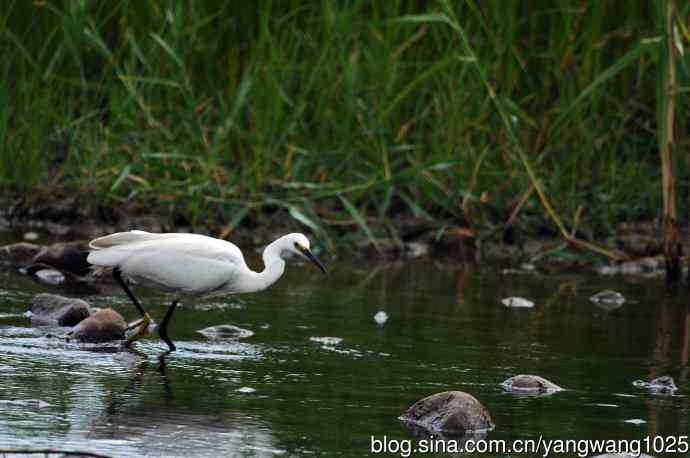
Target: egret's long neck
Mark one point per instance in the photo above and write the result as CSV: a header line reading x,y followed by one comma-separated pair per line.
x,y
274,266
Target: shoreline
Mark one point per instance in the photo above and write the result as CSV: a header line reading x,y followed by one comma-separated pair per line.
x,y
409,237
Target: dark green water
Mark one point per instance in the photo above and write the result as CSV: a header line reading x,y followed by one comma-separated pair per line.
x,y
447,330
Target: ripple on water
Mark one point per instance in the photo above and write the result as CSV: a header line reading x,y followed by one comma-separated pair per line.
x,y
327,340
228,350
19,331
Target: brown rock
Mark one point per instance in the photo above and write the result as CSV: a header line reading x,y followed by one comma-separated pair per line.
x,y
530,384
60,310
103,326
449,412
66,256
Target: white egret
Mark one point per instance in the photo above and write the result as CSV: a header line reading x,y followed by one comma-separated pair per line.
x,y
190,265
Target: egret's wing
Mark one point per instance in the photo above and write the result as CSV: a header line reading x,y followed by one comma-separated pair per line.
x,y
183,272
114,249
188,263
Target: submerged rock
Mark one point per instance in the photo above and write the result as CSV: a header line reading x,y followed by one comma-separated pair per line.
x,y
60,310
449,413
225,331
608,298
105,325
19,254
530,384
517,302
660,385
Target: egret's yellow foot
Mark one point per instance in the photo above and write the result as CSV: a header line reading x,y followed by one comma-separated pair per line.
x,y
142,328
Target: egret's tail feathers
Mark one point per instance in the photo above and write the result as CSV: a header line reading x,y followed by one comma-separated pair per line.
x,y
121,238
113,249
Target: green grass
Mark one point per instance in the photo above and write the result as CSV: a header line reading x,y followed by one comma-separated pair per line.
x,y
339,112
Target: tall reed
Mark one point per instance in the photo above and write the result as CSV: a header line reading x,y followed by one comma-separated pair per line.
x,y
337,112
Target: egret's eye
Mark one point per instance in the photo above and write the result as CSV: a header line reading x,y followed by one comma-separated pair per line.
x,y
299,247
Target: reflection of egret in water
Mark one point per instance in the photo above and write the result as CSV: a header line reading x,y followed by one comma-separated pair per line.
x,y
155,420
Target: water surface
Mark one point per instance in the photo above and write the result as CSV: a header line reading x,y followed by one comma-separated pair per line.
x,y
288,391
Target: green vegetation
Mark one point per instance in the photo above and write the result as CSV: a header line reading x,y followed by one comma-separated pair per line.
x,y
341,113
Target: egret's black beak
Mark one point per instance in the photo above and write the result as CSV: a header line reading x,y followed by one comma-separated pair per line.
x,y
313,259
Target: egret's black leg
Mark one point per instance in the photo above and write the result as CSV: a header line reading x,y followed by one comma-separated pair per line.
x,y
163,328
118,278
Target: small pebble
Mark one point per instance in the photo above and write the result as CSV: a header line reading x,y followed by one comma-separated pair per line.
x,y
31,236
50,276
517,302
381,317
246,390
608,297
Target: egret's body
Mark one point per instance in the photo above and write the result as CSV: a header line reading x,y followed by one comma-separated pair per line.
x,y
191,264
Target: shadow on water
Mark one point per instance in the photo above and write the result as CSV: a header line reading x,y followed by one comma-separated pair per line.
x,y
320,376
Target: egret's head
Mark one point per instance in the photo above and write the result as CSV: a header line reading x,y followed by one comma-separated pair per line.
x,y
299,244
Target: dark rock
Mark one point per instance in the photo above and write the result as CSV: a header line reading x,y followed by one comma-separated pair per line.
x,y
457,243
225,331
449,413
105,325
529,384
67,256
18,254
660,385
54,309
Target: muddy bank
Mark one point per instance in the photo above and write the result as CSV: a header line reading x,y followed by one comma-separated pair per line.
x,y
638,244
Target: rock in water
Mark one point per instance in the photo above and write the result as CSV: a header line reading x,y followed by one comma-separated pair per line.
x,y
19,254
49,276
67,256
449,413
55,309
608,297
225,331
660,385
529,384
517,302
103,326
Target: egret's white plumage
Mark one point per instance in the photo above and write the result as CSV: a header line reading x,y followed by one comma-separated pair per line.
x,y
192,264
